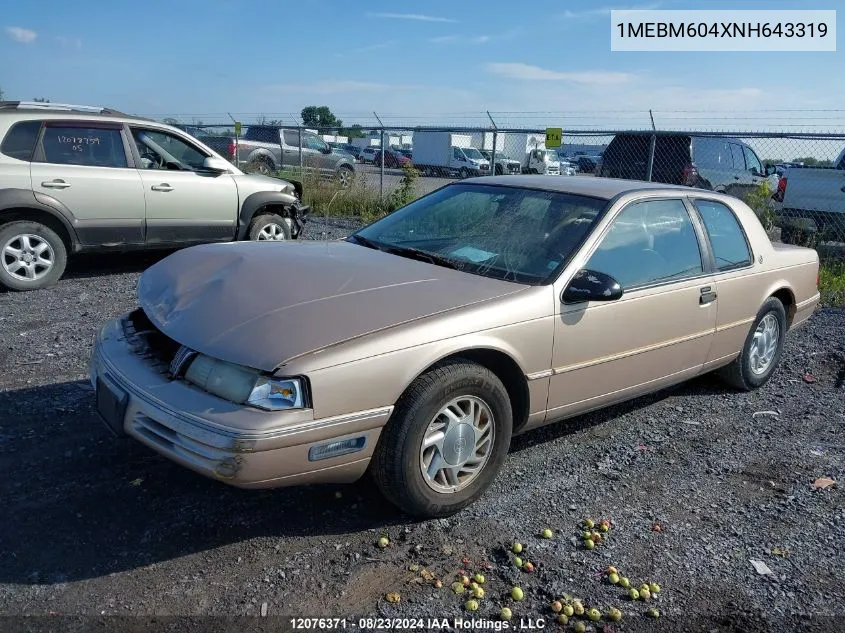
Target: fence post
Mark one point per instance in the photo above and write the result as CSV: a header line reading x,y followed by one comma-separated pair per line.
x,y
493,152
652,145
300,152
381,172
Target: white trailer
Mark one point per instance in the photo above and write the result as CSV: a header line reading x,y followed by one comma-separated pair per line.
x,y
367,141
335,138
530,149
447,153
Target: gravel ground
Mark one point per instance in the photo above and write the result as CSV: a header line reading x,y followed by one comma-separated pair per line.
x,y
93,526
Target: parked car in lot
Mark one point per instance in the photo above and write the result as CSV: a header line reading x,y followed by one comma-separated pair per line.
x,y
392,158
267,149
810,202
586,164
368,154
718,163
76,178
421,344
567,168
505,165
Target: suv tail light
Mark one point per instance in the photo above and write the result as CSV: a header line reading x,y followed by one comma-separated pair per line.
x,y
232,149
781,190
689,175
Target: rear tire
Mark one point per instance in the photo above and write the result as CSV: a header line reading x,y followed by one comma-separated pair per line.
x,y
747,372
32,256
262,166
269,227
400,459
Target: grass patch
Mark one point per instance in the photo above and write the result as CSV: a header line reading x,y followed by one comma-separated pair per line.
x,y
832,283
360,201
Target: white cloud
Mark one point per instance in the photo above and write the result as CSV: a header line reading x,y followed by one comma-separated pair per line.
x,y
526,72
600,11
443,39
419,17
20,34
70,42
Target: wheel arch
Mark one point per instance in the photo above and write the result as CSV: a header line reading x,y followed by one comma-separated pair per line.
x,y
20,204
260,202
786,296
506,369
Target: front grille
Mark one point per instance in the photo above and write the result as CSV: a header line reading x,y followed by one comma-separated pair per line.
x,y
147,341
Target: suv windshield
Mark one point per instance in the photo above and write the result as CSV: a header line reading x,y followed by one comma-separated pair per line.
x,y
510,233
471,152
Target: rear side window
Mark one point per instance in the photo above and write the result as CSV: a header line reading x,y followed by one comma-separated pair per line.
x,y
20,140
713,152
730,247
738,157
89,146
291,138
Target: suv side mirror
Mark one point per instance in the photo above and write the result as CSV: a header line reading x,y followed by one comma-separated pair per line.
x,y
326,149
215,165
771,169
591,285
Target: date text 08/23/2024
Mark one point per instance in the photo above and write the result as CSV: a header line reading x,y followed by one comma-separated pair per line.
x,y
414,624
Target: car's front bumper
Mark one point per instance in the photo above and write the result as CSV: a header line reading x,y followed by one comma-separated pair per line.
x,y
239,445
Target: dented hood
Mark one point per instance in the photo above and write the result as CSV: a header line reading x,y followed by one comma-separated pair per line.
x,y
261,304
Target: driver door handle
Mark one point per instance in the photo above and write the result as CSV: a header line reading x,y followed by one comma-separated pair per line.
x,y
162,187
58,183
707,296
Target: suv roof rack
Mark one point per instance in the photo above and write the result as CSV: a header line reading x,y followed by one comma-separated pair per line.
x,y
64,107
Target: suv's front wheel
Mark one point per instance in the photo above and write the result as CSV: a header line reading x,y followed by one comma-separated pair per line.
x,y
32,256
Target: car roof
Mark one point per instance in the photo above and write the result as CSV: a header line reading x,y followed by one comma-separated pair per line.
x,y
604,188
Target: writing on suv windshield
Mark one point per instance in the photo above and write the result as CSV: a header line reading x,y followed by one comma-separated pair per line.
x,y
509,233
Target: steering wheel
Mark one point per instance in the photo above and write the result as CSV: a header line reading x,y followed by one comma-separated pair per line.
x,y
153,158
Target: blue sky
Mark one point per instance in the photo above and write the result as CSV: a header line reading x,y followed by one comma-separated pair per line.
x,y
430,62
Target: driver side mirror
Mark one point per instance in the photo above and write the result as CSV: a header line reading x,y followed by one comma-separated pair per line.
x,y
771,169
326,149
216,165
591,285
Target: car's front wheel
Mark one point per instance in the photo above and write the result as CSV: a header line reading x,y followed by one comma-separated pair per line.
x,y
446,440
269,227
344,176
32,256
762,350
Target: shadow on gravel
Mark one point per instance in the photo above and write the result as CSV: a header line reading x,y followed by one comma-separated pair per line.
x,y
79,503
87,265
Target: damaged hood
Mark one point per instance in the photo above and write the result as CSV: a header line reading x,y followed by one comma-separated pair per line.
x,y
261,304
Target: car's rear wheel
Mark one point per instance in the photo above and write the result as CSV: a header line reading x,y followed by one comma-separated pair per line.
x,y
32,256
269,227
463,173
446,440
262,165
762,350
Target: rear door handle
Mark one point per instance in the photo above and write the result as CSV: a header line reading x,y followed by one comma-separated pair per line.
x,y
162,187
707,296
58,183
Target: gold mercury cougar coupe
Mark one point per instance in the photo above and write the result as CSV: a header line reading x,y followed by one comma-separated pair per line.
x,y
418,346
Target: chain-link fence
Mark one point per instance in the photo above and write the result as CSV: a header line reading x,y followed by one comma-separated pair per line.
x,y
795,181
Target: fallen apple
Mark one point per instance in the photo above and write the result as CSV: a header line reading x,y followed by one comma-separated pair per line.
x,y
438,583
465,581
458,588
562,619
517,561
471,605
633,594
478,592
586,535
589,523
568,610
547,533
383,542
624,582
479,578
516,548
589,543
392,597
614,615
505,613
517,594
557,607
528,566
594,614
613,578
611,570
653,613
579,627
654,587
645,594
577,607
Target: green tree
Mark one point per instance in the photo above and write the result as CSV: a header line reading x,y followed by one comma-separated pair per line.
x,y
319,117
809,161
354,131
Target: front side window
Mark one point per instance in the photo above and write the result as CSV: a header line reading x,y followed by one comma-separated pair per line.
x,y
20,140
315,143
291,138
751,161
509,233
456,153
161,150
88,146
727,238
649,242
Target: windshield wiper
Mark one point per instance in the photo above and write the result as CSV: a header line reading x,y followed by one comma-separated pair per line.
x,y
363,241
424,256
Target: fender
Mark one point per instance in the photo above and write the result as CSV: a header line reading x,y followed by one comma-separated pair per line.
x,y
22,199
260,199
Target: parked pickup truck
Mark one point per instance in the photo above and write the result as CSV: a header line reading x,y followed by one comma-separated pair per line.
x,y
266,150
811,201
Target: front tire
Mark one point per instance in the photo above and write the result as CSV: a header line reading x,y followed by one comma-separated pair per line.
x,y
344,176
269,227
762,350
463,173
32,256
446,440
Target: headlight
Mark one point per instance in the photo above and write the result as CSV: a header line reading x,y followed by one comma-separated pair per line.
x,y
245,386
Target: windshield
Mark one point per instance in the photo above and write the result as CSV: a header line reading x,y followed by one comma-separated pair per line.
x,y
551,156
509,233
471,152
